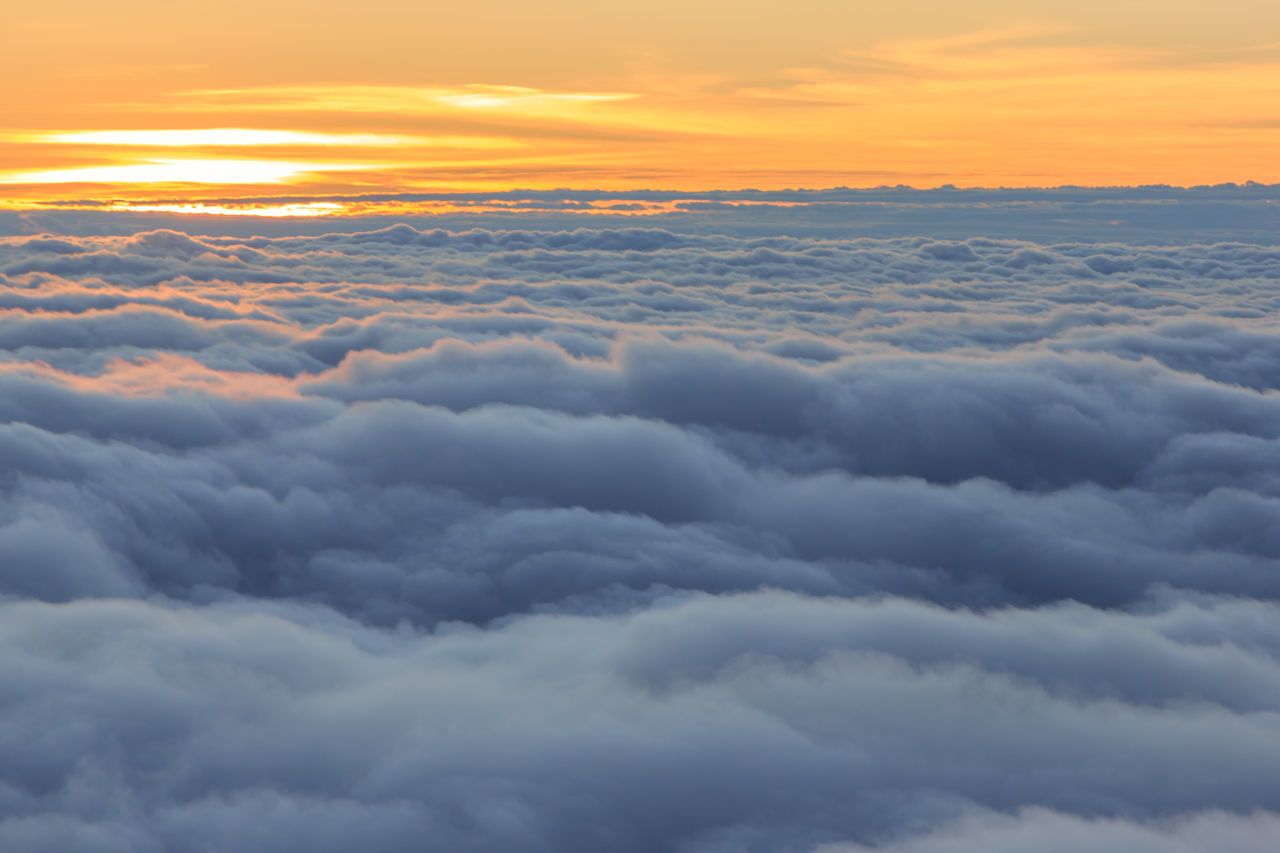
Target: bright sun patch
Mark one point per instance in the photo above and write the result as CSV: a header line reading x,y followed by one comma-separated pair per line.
x,y
179,172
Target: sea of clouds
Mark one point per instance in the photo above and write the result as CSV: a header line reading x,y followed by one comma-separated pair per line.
x,y
638,539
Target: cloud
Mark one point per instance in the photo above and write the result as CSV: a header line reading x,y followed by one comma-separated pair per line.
x,y
638,539
762,720
1042,829
1148,215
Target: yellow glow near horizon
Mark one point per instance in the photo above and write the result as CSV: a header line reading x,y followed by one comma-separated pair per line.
x,y
662,94
309,208
204,171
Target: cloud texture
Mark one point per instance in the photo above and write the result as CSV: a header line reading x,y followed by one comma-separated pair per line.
x,y
638,539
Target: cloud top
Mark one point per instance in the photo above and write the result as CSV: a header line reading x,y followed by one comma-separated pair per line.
x,y
638,538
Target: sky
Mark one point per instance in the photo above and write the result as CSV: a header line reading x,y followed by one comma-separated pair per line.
x,y
176,103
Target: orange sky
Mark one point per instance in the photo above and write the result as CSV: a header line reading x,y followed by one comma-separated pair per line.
x,y
144,100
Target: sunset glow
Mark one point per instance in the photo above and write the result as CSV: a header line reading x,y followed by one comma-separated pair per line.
x,y
216,137
727,96
193,171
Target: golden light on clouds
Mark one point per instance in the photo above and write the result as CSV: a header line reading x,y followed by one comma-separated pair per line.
x,y
308,208
667,96
523,98
412,99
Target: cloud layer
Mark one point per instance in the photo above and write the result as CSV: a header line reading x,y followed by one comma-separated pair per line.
x,y
1161,215
638,539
